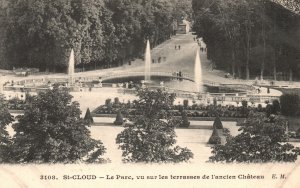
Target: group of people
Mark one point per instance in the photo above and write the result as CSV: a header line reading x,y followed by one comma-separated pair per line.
x,y
258,90
202,49
177,47
177,74
159,59
198,41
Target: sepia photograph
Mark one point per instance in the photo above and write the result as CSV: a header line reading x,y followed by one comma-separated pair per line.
x,y
149,93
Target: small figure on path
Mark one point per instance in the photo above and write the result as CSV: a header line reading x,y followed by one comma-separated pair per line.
x,y
259,90
178,47
174,75
175,47
180,74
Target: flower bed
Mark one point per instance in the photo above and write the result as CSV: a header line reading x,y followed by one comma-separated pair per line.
x,y
192,111
16,104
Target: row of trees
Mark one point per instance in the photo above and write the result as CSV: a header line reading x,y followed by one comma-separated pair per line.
x,y
103,33
250,37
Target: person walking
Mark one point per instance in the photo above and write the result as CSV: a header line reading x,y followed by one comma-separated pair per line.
x,y
178,47
175,47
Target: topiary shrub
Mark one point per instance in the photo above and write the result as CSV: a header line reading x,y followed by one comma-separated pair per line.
x,y
259,108
180,108
244,111
194,114
185,103
217,123
289,104
117,100
88,116
276,106
215,102
244,103
119,119
184,121
107,102
129,105
214,138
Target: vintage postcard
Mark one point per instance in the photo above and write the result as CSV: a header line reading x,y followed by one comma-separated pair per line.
x,y
149,93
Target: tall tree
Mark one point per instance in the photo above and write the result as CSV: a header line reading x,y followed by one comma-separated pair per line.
x,y
262,139
151,139
5,140
52,131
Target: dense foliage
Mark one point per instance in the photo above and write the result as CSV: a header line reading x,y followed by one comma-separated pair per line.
x,y
290,104
151,137
5,140
263,139
256,38
51,131
103,33
3,23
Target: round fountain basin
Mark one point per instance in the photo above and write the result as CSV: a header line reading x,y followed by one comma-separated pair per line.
x,y
170,83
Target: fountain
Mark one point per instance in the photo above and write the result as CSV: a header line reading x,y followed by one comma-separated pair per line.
x,y
147,63
198,73
71,79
